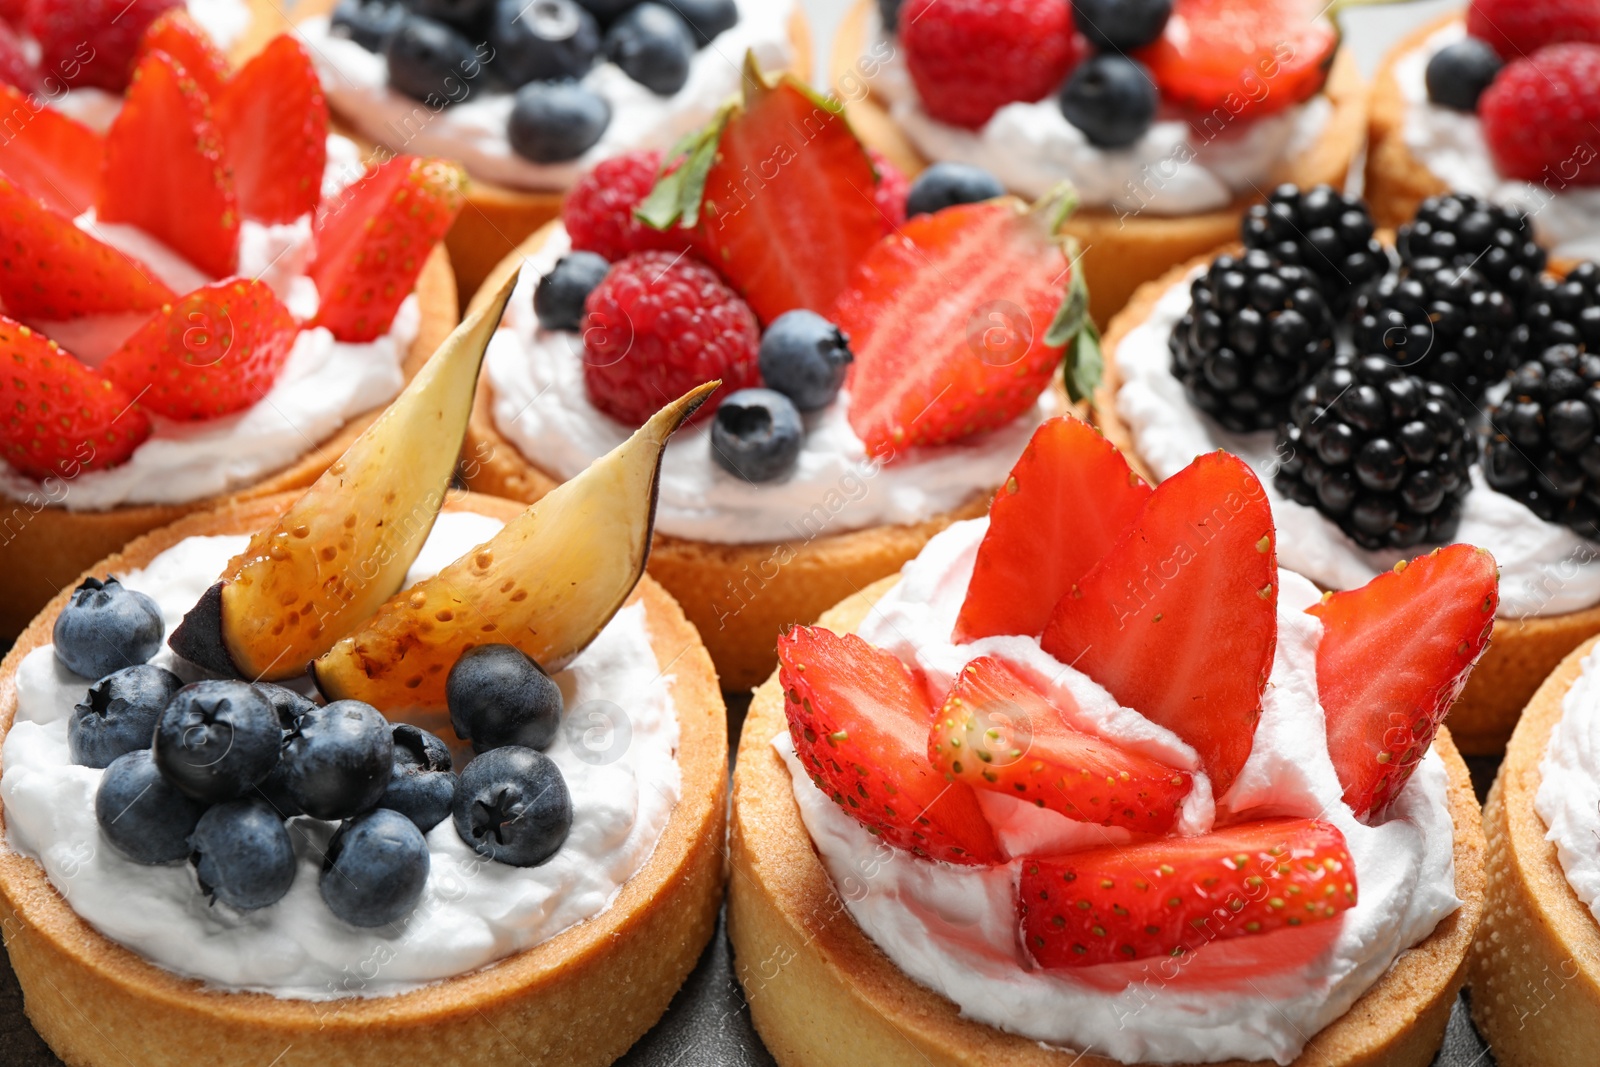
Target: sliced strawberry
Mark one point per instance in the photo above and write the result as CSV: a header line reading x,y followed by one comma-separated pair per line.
x,y
50,270
274,123
948,319
1242,60
52,157
371,242
16,68
58,418
178,35
996,732
860,721
1070,497
1394,656
165,171
210,353
92,42
1172,897
1179,619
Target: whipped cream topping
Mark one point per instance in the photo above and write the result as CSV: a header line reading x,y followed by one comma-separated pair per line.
x,y
620,768
1545,568
474,132
225,20
542,407
1177,167
1568,799
1450,143
954,928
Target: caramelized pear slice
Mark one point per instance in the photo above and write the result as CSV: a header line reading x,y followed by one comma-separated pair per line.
x,y
344,548
547,583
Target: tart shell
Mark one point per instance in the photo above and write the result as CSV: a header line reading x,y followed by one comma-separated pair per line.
x,y
822,994
1120,253
43,547
579,999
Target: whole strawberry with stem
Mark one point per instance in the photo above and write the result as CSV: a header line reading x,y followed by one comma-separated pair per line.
x,y
1541,114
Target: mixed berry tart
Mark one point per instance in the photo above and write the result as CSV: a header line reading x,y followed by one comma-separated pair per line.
x,y
1391,399
1169,116
880,376
498,796
1094,781
206,302
530,94
1498,102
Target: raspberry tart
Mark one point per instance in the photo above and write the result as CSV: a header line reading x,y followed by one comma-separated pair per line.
x,y
1498,102
530,96
1129,795
833,453
215,290
448,850
1169,117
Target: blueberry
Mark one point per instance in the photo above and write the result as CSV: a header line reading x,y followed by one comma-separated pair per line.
x,y
607,11
1111,99
707,18
432,62
242,854
1121,25
947,184
552,122
422,787
119,714
274,789
106,626
498,696
465,15
1459,73
375,869
756,435
558,300
338,759
805,357
513,806
216,739
653,46
286,702
545,40
889,13
141,814
369,23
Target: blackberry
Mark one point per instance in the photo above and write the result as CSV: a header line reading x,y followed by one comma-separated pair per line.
x,y
1544,438
1381,452
1257,329
1464,231
1443,322
1563,311
1327,233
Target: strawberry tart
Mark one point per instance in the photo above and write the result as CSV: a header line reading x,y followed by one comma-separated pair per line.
x,y
528,96
1499,102
205,302
1105,785
878,381
1170,116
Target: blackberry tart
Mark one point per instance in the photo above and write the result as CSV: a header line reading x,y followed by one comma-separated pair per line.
x,y
1544,438
1328,233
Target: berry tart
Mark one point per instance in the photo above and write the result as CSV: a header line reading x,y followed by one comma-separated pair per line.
x,y
1500,103
1169,116
1096,785
530,94
206,302
881,375
1391,399
448,852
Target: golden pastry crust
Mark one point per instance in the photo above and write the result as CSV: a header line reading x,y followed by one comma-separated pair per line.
x,y
43,547
1122,252
823,995
578,1000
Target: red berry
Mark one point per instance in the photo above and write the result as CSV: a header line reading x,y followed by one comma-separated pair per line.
x,y
92,42
1518,28
16,68
659,325
969,58
14,12
58,417
891,192
1393,657
52,157
180,36
1541,113
598,212
274,124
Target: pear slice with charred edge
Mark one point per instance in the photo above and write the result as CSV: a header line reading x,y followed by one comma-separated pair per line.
x,y
344,548
547,583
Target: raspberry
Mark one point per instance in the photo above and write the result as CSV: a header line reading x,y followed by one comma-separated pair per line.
x,y
598,213
969,58
1517,28
1540,115
659,325
891,191
92,42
